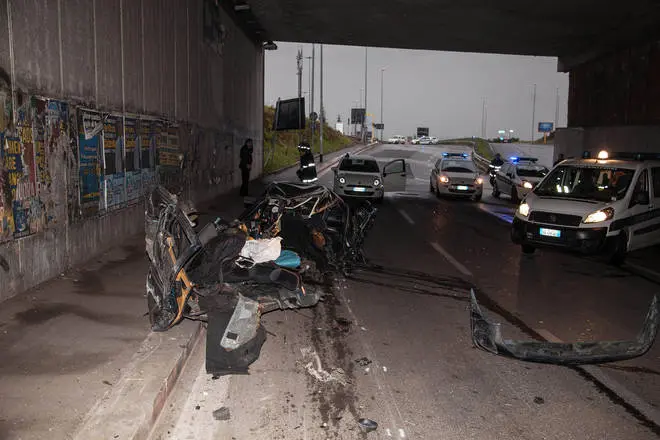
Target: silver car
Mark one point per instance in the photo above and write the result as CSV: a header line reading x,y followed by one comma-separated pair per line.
x,y
455,174
361,177
517,178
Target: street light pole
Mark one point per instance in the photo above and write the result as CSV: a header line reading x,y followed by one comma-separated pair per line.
x,y
533,112
381,103
321,112
364,121
313,75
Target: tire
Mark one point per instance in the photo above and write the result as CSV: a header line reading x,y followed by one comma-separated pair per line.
x,y
527,249
496,191
617,255
514,196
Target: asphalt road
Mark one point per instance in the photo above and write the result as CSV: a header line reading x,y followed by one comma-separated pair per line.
x,y
392,342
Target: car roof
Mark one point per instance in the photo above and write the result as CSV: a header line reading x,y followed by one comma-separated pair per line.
x,y
607,163
362,157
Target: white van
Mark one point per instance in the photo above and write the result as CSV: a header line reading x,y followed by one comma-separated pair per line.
x,y
608,205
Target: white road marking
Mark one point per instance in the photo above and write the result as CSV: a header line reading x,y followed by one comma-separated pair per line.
x,y
402,433
405,215
613,385
388,432
464,270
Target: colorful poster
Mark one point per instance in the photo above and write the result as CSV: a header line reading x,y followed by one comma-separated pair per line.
x,y
168,147
133,174
89,163
20,187
148,140
114,185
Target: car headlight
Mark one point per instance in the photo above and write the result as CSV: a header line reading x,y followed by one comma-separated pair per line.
x,y
376,182
600,216
342,180
523,209
444,179
527,185
479,180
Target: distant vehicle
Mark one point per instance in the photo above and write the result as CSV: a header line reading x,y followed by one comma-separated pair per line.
x,y
415,141
518,177
456,174
361,177
607,205
397,140
425,140
434,140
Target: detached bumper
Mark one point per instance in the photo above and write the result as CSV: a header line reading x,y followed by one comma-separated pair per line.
x,y
584,240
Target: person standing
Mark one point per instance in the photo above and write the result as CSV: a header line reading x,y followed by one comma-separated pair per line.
x,y
245,165
307,171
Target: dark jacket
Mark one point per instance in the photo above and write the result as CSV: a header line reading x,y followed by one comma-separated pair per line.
x,y
246,157
307,169
497,162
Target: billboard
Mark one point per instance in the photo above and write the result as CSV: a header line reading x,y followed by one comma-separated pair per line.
x,y
546,127
422,131
357,116
289,115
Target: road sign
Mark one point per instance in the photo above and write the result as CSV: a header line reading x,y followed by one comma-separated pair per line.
x,y
379,126
357,116
422,131
546,127
313,116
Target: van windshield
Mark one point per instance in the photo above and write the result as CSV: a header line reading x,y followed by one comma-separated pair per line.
x,y
587,183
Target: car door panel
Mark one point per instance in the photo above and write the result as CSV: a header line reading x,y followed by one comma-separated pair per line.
x,y
655,204
502,179
394,176
642,223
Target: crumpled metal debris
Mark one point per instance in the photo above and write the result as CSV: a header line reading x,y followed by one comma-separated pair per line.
x,y
316,370
367,425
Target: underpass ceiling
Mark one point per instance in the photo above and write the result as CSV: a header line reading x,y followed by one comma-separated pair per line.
x,y
522,27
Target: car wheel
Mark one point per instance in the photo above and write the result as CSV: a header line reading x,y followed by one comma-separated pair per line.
x,y
527,249
619,250
496,191
514,196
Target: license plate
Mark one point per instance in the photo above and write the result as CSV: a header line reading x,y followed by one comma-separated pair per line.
x,y
550,232
359,189
462,188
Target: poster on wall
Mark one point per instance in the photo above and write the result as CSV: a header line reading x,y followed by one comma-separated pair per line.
x,y
6,211
18,168
133,174
113,176
147,153
89,149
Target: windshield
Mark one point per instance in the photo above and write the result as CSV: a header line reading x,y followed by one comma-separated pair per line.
x,y
458,166
537,171
589,183
359,166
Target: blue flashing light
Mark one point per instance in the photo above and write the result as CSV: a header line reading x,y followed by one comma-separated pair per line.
x,y
513,159
445,154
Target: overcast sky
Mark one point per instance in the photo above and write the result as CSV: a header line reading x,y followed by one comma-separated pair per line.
x,y
439,90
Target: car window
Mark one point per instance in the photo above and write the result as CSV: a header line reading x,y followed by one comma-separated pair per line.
x,y
656,182
584,182
359,165
458,166
642,184
531,171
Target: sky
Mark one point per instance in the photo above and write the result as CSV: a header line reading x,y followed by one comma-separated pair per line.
x,y
440,90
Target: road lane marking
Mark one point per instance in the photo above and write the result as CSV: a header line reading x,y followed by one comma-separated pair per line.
x,y
613,385
405,215
464,270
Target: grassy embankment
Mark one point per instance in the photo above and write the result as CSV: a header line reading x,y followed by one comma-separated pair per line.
x,y
481,146
286,153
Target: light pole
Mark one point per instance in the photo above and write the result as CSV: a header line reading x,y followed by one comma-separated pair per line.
x,y
533,112
321,112
364,121
381,103
313,75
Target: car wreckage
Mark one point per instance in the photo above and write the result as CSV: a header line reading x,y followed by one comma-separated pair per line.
x,y
487,336
230,273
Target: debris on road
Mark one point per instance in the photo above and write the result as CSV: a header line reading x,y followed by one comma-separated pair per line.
x,y
316,370
222,414
363,361
539,400
367,425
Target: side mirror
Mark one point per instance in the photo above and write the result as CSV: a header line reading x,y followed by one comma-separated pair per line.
x,y
641,198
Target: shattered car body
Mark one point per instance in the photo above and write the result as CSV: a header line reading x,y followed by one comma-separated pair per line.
x,y
200,270
314,221
488,336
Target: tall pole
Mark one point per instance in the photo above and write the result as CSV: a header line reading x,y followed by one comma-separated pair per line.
x,y
309,83
321,112
381,103
533,111
483,118
557,110
313,75
299,66
364,121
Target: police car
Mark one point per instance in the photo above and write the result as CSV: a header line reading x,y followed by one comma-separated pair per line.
x,y
456,174
360,176
518,177
609,204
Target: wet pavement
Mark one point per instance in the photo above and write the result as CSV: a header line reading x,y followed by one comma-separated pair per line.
x,y
391,343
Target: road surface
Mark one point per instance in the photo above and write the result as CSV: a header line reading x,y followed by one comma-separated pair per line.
x,y
392,342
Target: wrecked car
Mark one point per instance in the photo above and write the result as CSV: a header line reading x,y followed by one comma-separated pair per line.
x,y
487,336
230,273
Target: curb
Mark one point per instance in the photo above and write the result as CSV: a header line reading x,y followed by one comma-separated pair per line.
x,y
129,411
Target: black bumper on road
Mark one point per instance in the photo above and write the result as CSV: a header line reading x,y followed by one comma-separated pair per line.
x,y
584,240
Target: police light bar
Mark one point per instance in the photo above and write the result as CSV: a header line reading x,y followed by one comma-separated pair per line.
x,y
445,154
516,159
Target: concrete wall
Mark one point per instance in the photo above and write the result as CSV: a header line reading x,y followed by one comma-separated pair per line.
x,y
147,60
574,141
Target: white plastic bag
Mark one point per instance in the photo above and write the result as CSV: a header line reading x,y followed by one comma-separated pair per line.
x,y
262,250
